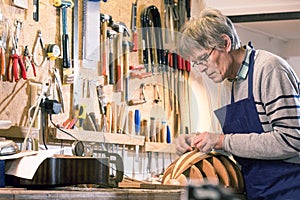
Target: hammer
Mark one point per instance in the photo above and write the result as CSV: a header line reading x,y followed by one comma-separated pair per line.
x,y
111,34
126,49
64,4
122,31
105,21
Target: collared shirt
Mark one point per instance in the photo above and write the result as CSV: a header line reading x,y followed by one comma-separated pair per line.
x,y
244,68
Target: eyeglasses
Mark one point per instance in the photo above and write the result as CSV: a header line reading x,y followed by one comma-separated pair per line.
x,y
204,60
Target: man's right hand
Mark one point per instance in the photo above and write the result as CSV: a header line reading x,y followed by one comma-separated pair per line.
x,y
183,143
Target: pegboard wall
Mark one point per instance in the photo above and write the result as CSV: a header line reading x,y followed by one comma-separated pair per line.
x,y
15,97
120,11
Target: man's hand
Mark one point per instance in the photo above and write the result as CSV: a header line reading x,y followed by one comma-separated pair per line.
x,y
207,141
183,143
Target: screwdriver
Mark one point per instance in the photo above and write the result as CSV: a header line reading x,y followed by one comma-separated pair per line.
x,y
137,120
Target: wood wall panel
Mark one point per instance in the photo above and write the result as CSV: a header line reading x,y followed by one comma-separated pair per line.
x,y
15,96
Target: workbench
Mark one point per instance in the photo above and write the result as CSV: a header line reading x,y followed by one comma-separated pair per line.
x,y
91,193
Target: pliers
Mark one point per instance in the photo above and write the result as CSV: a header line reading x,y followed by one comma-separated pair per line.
x,y
27,58
15,58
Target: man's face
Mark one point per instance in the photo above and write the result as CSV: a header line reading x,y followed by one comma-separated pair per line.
x,y
208,61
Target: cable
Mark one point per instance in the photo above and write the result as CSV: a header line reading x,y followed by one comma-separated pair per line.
x,y
62,129
36,104
43,130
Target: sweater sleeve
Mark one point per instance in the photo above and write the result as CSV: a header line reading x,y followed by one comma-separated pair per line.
x,y
278,104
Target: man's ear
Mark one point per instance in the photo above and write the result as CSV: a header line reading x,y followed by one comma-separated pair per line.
x,y
227,42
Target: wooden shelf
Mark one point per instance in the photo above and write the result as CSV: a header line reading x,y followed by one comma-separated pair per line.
x,y
160,147
92,136
111,138
18,132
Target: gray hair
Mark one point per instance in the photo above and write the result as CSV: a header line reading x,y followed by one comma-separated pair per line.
x,y
205,32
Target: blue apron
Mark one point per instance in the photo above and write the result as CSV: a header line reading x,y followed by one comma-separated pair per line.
x,y
264,179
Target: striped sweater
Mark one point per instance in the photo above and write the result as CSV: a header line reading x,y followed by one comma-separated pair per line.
x,y
276,95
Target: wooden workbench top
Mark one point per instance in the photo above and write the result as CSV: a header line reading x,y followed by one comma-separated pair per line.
x,y
90,193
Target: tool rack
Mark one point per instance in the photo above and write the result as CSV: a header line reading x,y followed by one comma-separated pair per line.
x,y
109,138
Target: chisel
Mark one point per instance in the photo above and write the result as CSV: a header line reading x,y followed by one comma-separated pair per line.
x,y
152,138
145,132
108,117
130,122
152,129
163,140
169,139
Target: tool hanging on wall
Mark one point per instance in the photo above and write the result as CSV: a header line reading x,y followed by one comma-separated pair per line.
x,y
102,105
142,98
126,49
15,58
36,8
171,19
2,58
106,20
80,115
133,26
53,51
137,121
4,28
111,34
64,5
122,31
39,54
150,19
28,61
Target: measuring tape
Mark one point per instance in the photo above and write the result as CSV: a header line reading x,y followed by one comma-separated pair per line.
x,y
53,51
